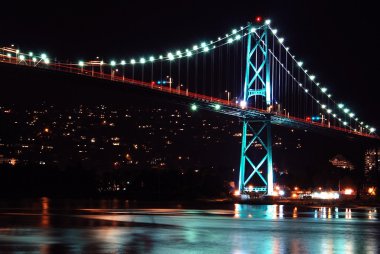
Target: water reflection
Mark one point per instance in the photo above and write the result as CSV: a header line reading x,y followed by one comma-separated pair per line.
x,y
348,213
45,220
295,212
259,211
115,227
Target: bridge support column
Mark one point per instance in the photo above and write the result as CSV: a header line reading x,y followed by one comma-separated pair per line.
x,y
242,157
269,160
260,131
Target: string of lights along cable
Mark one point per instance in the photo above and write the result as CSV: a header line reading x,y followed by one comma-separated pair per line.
x,y
215,70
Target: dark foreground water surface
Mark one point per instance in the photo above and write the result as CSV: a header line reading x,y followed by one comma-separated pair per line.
x,y
48,226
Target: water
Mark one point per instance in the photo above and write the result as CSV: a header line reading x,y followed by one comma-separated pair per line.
x,y
115,226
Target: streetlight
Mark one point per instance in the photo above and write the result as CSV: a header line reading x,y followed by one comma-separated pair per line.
x,y
123,62
81,64
112,64
228,96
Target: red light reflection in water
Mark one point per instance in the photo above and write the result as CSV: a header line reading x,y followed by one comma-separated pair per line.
x,y
45,217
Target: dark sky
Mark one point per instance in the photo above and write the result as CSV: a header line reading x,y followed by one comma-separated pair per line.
x,y
337,41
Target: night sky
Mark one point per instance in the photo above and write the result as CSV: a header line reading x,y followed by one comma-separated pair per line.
x,y
338,42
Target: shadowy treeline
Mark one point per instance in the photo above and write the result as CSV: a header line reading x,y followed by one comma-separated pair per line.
x,y
132,183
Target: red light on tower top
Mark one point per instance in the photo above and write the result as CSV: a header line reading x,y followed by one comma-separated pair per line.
x,y
258,19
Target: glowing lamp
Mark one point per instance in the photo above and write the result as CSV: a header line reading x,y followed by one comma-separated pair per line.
x,y
243,104
170,56
348,191
217,106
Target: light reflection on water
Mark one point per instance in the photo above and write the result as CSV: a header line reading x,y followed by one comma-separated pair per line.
x,y
45,226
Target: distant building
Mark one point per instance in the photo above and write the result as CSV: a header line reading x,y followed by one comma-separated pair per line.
x,y
370,159
340,161
4,160
371,164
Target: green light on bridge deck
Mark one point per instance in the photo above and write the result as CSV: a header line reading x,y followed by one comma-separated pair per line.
x,y
217,107
193,107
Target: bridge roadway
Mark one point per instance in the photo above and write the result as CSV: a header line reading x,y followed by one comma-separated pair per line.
x,y
202,101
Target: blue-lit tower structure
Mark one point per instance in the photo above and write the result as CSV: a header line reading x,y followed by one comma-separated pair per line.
x,y
257,83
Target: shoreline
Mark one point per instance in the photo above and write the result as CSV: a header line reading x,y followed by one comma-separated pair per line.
x,y
349,203
194,203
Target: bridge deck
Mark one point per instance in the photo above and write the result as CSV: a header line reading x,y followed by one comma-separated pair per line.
x,y
205,101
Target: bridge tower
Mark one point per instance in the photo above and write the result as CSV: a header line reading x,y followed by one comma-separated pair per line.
x,y
257,83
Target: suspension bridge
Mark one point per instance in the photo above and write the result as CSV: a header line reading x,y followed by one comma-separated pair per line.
x,y
248,72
